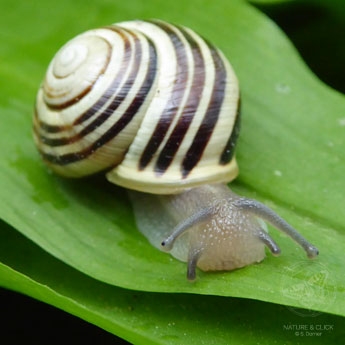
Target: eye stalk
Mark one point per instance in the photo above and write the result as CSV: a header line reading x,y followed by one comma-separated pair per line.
x,y
198,218
265,213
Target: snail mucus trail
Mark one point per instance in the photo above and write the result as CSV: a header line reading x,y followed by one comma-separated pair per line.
x,y
157,107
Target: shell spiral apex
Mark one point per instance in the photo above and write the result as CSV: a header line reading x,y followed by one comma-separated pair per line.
x,y
153,103
158,108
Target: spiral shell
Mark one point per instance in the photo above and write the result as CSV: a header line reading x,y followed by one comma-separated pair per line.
x,y
152,103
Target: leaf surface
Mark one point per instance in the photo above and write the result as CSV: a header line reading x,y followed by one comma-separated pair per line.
x,y
152,318
290,153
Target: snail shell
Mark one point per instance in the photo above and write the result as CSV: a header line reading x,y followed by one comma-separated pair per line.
x,y
157,107
154,102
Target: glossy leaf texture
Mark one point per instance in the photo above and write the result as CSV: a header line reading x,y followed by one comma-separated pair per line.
x,y
152,318
290,153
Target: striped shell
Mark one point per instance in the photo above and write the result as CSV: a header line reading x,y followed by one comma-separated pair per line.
x,y
154,104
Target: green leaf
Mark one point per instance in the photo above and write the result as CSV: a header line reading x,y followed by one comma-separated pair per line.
x,y
290,154
151,318
271,2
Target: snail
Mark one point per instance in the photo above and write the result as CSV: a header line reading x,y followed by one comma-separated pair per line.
x,y
157,107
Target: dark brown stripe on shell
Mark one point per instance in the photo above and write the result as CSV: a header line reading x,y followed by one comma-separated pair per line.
x,y
38,124
116,102
85,91
174,102
229,149
168,152
119,79
120,124
210,119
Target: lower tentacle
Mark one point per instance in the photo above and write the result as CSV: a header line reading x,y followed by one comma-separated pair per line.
x,y
193,257
269,242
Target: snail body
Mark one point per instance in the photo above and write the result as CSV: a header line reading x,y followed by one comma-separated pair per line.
x,y
157,107
211,227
